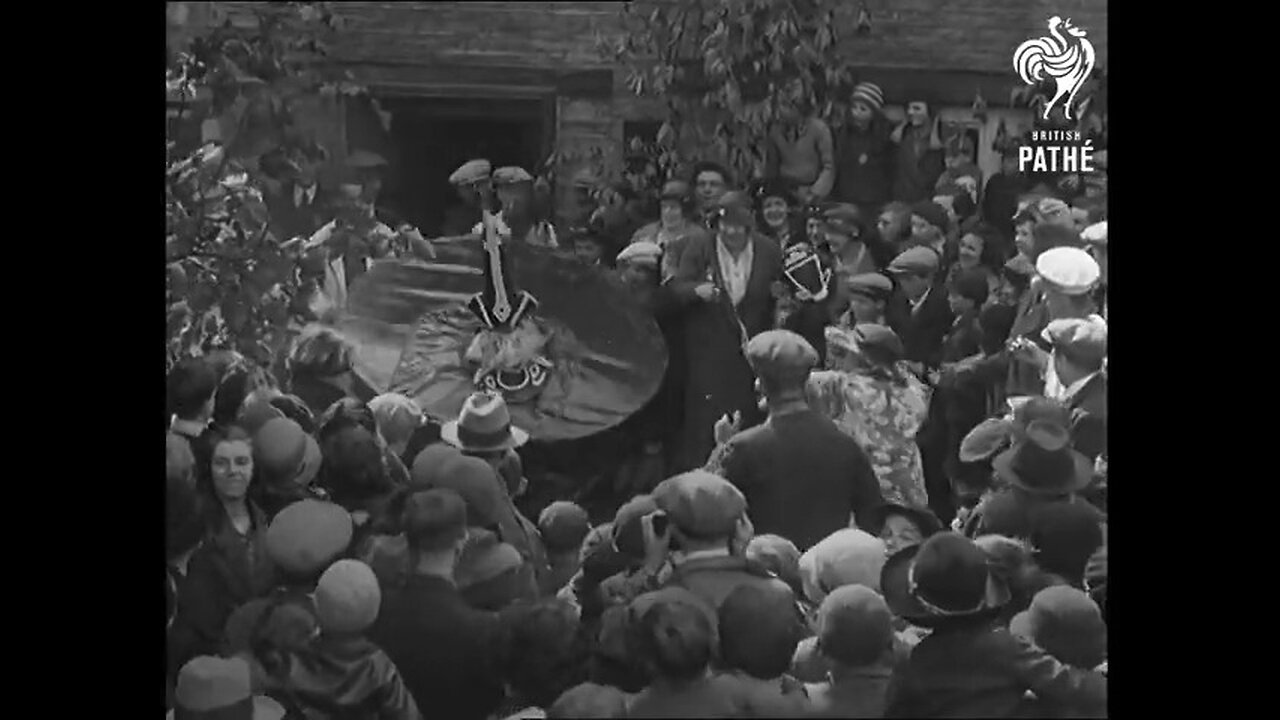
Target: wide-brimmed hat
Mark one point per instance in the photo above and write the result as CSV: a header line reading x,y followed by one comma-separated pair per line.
x,y
1043,461
946,576
212,687
484,425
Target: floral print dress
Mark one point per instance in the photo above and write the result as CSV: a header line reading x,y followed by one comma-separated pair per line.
x,y
883,415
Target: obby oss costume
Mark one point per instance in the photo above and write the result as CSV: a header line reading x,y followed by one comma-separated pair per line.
x,y
566,345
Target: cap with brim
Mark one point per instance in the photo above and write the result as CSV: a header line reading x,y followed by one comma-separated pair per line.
x,y
925,592
675,190
916,260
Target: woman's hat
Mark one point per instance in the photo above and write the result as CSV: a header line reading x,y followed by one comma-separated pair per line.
x,y
878,342
1067,624
484,425
212,688
1043,461
924,518
946,576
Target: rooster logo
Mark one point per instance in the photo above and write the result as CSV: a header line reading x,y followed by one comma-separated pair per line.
x,y
1069,61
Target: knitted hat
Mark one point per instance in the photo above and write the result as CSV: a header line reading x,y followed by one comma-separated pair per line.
x,y
869,93
347,597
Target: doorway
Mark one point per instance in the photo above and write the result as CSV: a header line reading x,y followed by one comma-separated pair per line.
x,y
432,137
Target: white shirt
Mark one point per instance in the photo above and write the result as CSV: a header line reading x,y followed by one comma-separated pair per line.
x,y
334,288
735,271
917,304
303,196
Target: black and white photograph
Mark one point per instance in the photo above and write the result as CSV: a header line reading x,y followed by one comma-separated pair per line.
x,y
652,359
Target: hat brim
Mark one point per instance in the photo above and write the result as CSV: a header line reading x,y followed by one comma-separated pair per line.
x,y
985,440
515,438
1081,475
895,587
310,463
927,522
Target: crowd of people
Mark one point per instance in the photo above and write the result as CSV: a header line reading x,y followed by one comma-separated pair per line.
x,y
874,475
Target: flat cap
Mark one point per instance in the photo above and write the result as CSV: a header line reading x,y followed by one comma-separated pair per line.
x,y
1020,265
307,535
643,253
511,175
1080,339
1051,208
347,597
472,171
932,213
700,504
842,215
872,285
563,526
1095,234
733,199
916,261
1068,270
780,353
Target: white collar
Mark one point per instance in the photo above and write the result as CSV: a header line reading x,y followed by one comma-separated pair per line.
x,y
1074,388
685,557
187,428
915,304
301,193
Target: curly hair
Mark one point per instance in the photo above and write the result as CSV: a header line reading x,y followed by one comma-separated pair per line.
x,y
320,351
542,651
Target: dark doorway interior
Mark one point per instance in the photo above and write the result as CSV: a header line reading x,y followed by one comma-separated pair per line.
x,y
433,136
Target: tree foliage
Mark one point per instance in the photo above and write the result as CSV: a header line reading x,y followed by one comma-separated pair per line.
x,y
720,65
230,281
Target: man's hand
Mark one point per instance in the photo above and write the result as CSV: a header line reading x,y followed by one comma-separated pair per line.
x,y
707,292
1027,351
727,426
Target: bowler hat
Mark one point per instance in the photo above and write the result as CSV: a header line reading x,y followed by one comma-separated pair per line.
x,y
484,425
213,687
946,576
1043,462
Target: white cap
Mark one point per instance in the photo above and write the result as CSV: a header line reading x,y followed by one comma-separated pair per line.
x,y
1095,234
1068,270
641,253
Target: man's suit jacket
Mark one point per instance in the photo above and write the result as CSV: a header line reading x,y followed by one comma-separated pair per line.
x,y
289,220
923,331
699,260
1089,417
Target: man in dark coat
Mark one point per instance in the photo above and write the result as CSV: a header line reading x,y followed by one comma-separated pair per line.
x,y
864,153
300,207
726,284
802,477
918,311
921,316
442,647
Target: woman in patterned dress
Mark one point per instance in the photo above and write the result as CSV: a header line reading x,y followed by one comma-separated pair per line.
x,y
870,394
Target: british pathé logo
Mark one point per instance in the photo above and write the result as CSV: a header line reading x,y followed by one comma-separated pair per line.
x,y
1065,55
